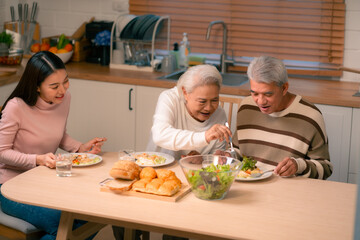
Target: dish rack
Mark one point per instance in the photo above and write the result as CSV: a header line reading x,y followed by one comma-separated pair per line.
x,y
126,66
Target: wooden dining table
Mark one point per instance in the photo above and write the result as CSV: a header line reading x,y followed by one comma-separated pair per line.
x,y
273,208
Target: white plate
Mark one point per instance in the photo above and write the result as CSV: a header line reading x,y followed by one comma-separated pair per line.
x,y
91,156
168,159
264,176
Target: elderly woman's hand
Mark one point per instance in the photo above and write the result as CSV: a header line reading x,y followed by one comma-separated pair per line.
x,y
222,153
92,146
218,131
195,160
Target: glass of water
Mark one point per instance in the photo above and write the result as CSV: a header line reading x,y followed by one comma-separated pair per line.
x,y
63,166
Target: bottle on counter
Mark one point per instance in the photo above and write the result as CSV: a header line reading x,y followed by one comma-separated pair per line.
x,y
184,51
175,52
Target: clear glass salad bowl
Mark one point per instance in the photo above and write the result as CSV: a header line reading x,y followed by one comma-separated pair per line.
x,y
210,176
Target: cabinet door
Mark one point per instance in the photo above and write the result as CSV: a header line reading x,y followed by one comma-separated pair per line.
x,y
101,109
146,100
355,147
5,92
338,128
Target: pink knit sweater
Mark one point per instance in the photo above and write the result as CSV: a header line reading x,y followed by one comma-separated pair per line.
x,y
27,131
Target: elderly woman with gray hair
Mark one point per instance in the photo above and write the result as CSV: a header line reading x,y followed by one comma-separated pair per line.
x,y
187,119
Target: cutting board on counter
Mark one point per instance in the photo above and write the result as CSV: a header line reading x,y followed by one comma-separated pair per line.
x,y
185,189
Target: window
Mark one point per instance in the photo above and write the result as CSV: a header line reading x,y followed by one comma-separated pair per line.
x,y
307,34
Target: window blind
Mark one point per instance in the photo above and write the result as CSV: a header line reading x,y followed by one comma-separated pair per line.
x,y
308,34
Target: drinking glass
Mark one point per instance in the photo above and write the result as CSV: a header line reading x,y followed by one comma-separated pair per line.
x,y
63,166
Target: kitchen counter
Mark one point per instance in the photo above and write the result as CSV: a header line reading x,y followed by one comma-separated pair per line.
x,y
337,93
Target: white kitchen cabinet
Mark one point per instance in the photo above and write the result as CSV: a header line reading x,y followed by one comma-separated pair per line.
x,y
354,147
146,100
101,109
338,127
5,92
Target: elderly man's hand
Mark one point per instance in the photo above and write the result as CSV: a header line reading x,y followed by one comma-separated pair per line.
x,y
218,131
286,167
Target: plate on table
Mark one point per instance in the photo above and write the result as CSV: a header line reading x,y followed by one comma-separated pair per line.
x,y
83,159
146,159
264,176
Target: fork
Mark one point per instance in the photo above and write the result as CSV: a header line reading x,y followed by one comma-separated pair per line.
x,y
232,150
256,175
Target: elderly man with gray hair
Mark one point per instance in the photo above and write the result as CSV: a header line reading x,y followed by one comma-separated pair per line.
x,y
187,119
279,128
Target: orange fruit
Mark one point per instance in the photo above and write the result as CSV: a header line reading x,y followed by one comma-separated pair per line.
x,y
53,49
68,47
45,47
63,50
35,47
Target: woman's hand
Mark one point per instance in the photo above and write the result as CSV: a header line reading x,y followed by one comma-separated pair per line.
x,y
218,131
47,160
92,146
286,167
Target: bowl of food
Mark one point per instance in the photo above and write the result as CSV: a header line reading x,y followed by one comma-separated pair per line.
x,y
65,56
210,176
11,57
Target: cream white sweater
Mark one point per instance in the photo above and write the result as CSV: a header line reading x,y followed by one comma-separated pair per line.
x,y
176,133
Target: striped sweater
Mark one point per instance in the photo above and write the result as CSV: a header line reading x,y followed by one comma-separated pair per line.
x,y
297,132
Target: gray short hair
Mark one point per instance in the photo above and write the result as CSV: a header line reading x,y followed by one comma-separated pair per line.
x,y
199,75
267,69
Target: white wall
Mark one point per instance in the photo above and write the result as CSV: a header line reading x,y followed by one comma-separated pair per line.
x,y
352,40
65,16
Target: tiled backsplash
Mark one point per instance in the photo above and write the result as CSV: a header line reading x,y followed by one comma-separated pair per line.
x,y
66,16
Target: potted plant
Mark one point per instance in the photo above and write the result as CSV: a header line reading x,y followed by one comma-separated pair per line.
x,y
5,41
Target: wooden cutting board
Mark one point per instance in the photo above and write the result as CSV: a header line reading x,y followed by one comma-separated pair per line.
x,y
181,193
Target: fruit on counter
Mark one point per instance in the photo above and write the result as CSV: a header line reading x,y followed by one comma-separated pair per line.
x,y
69,47
63,46
53,49
35,47
44,47
62,50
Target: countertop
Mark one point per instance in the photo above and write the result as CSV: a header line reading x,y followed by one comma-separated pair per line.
x,y
337,93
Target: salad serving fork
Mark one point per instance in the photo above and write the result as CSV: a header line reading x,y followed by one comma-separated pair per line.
x,y
232,150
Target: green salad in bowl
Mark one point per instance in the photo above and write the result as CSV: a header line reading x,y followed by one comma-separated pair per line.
x,y
212,177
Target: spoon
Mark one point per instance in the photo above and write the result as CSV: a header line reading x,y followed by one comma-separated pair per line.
x,y
256,175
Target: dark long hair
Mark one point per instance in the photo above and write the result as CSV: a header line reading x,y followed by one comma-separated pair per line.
x,y
39,67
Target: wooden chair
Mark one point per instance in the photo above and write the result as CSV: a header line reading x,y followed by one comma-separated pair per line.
x,y
17,229
231,106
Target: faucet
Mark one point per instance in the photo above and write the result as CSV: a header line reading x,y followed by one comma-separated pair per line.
x,y
223,57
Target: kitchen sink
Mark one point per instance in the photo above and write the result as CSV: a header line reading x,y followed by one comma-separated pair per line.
x,y
229,79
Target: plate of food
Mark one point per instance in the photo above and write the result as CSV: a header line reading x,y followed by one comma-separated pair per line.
x,y
83,159
152,159
252,170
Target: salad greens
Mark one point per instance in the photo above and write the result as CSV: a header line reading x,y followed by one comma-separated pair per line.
x,y
248,163
211,182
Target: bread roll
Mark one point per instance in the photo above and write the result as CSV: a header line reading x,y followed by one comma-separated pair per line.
x,y
161,182
148,172
125,169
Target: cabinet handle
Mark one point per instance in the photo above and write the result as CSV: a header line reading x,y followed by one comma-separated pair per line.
x,y
130,108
